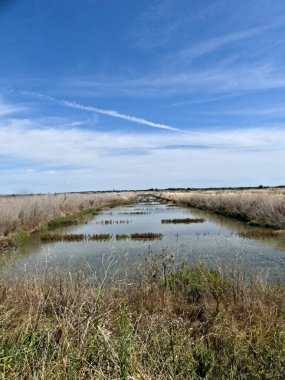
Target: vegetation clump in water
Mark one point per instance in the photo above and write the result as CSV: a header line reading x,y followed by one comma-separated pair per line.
x,y
260,207
100,237
146,236
135,213
50,237
45,238
62,237
122,237
262,233
28,213
127,221
73,237
182,220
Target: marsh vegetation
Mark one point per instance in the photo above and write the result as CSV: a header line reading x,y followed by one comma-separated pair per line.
x,y
260,207
193,235
171,315
110,221
31,212
146,236
189,323
50,237
262,233
182,220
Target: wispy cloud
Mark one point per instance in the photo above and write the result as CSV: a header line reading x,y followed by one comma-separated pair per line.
x,y
52,158
49,155
205,47
213,44
156,24
112,113
9,109
159,24
270,111
59,145
220,79
242,59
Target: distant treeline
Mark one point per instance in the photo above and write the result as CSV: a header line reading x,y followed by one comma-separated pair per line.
x,y
153,189
217,188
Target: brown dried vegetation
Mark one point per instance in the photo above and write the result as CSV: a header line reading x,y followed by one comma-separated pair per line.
x,y
192,324
263,207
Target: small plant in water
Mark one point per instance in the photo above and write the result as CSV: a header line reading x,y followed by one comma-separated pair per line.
x,y
73,237
185,220
146,236
262,233
100,237
122,237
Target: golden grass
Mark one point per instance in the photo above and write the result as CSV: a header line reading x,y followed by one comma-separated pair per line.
x,y
194,323
262,233
26,213
258,207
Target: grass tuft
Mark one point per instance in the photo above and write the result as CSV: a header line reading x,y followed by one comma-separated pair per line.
x,y
262,233
100,237
185,220
146,236
122,237
262,207
193,323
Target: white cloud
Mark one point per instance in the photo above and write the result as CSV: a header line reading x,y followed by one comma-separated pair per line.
x,y
161,168
9,109
96,110
74,146
219,79
58,155
253,66
213,44
41,143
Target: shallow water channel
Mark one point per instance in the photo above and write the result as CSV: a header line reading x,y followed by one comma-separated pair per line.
x,y
215,242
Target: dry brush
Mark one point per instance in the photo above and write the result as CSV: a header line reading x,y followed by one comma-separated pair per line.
x,y
261,207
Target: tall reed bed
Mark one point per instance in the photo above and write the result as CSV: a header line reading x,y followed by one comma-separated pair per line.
x,y
194,323
260,207
25,213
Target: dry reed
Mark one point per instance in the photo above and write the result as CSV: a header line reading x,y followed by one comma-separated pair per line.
x,y
192,324
182,220
25,213
259,207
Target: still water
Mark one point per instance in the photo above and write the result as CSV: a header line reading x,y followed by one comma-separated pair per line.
x,y
214,242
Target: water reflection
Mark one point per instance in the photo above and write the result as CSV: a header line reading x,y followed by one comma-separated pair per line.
x,y
216,241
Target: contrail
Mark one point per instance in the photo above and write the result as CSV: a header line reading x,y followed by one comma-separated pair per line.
x,y
112,113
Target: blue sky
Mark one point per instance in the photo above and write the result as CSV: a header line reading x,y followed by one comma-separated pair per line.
x,y
122,94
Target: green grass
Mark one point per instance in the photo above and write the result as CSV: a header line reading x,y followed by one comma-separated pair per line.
x,y
19,237
122,237
70,219
194,323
